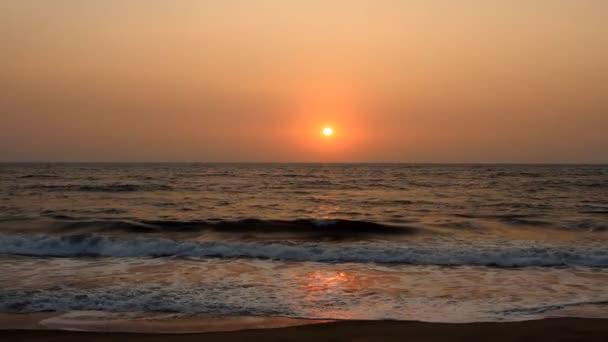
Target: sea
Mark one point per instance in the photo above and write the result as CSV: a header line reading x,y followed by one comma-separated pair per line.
x,y
436,243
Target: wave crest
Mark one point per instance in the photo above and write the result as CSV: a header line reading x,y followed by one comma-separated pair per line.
x,y
313,229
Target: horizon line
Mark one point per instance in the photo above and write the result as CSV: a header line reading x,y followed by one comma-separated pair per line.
x,y
304,162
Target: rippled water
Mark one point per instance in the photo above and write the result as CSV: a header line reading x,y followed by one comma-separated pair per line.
x,y
425,242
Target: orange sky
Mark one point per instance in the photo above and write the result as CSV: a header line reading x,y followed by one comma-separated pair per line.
x,y
243,80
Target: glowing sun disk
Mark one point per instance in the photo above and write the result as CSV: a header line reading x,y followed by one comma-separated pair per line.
x,y
328,131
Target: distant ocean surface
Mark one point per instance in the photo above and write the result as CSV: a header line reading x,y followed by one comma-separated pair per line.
x,y
441,243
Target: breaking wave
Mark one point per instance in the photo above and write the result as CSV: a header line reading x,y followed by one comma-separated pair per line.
x,y
314,228
500,255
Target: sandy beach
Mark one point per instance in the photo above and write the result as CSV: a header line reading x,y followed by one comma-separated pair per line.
x,y
558,329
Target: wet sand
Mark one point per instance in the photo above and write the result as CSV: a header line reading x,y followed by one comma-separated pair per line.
x,y
558,329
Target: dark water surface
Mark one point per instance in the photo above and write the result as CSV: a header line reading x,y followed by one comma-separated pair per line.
x,y
425,242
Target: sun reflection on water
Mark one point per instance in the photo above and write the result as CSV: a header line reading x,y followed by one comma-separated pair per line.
x,y
324,288
326,283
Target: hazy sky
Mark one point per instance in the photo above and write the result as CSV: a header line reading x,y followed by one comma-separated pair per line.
x,y
257,80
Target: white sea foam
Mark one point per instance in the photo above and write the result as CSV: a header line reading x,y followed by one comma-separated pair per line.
x,y
512,254
309,290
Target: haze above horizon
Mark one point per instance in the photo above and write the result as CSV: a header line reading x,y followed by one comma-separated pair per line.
x,y
263,81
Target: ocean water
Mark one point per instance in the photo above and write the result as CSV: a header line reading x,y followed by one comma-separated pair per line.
x,y
440,243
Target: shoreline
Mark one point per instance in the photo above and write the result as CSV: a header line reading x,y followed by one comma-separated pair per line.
x,y
144,322
551,329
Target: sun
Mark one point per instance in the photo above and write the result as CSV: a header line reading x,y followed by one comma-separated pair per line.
x,y
328,131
